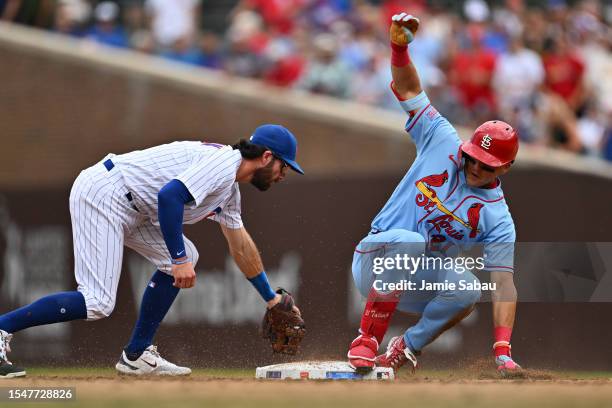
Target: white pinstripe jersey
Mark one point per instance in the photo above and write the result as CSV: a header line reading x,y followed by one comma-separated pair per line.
x,y
208,170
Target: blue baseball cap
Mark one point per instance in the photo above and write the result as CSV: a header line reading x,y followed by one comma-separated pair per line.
x,y
280,141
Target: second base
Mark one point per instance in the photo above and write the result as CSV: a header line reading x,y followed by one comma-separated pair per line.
x,y
320,370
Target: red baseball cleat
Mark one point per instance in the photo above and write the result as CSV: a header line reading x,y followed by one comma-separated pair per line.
x,y
397,355
362,353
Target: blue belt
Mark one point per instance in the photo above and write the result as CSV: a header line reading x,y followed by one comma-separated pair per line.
x,y
109,166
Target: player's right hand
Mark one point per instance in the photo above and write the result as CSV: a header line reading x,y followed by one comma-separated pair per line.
x,y
403,29
184,275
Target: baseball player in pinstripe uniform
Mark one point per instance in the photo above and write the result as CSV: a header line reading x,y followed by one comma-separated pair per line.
x,y
141,200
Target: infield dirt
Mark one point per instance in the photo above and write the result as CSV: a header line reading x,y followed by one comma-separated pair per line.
x,y
236,388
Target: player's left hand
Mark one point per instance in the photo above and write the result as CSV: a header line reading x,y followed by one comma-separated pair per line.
x,y
283,325
506,365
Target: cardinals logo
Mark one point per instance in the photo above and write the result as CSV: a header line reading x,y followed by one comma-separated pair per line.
x,y
427,197
473,215
428,200
435,180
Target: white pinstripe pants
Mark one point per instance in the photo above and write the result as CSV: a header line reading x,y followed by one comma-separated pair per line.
x,y
103,221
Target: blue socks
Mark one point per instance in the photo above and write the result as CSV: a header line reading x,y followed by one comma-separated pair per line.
x,y
156,301
65,306
59,307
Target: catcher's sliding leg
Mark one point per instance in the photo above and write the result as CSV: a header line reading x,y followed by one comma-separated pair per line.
x,y
371,277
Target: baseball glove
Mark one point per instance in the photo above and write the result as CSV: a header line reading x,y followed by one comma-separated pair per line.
x,y
283,325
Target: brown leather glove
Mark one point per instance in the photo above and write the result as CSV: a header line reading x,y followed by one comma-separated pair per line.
x,y
283,325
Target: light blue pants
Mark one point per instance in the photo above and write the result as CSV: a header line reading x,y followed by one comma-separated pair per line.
x,y
439,309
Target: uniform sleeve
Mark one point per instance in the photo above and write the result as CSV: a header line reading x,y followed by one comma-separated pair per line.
x,y
231,216
426,126
208,174
499,248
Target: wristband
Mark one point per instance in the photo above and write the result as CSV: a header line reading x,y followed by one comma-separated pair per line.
x,y
177,262
260,282
399,55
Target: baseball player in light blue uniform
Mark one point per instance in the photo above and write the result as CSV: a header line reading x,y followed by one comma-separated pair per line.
x,y
450,199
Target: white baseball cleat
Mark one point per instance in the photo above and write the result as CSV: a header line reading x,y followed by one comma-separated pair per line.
x,y
7,369
150,363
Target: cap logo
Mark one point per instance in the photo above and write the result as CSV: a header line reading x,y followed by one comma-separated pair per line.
x,y
485,143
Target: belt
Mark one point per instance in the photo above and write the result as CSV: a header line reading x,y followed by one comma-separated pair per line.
x,y
109,166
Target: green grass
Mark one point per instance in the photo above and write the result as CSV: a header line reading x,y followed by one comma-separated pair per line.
x,y
204,373
585,375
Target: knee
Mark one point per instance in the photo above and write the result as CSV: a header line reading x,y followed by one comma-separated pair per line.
x,y
363,281
469,295
402,235
99,309
405,242
466,290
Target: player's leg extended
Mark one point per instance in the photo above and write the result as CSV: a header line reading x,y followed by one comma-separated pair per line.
x,y
55,308
156,301
443,311
97,264
100,216
381,303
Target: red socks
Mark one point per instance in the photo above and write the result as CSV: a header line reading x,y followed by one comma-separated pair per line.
x,y
399,55
502,336
378,312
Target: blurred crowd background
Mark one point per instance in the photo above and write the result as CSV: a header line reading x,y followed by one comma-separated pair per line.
x,y
545,66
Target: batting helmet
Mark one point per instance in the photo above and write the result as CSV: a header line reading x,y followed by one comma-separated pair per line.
x,y
493,143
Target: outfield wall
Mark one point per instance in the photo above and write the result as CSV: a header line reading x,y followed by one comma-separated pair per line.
x,y
65,104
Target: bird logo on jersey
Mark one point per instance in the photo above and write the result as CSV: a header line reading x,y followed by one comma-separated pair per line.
x,y
435,180
473,215
427,196
428,200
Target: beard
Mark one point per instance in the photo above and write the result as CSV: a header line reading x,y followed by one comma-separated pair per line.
x,y
262,178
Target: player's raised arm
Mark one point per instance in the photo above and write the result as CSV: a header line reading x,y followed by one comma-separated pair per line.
x,y
424,122
406,83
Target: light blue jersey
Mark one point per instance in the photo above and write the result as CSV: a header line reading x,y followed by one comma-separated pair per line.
x,y
434,199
